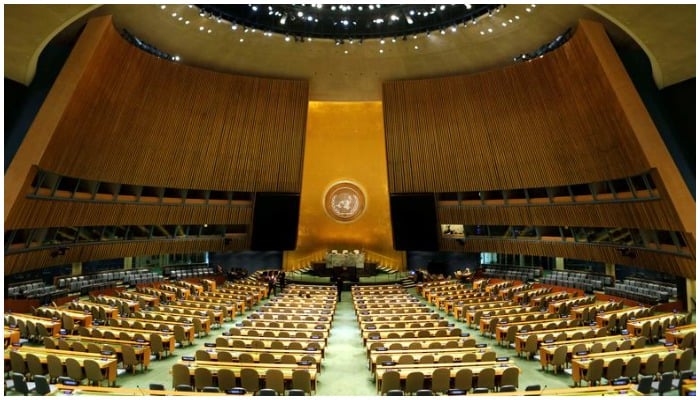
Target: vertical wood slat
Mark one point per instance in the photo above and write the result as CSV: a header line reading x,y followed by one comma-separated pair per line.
x,y
141,120
548,122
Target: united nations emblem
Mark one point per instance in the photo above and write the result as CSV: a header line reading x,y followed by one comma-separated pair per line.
x,y
344,201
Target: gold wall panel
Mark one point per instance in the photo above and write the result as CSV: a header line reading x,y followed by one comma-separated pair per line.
x,y
344,142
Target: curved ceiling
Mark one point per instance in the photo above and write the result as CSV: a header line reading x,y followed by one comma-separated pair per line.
x,y
355,71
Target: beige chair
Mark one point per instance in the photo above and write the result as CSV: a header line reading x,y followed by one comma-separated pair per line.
x,y
614,369
669,363
267,358
74,369
463,379
510,377
129,358
55,367
64,345
301,379
245,358
488,356
288,359
202,355
157,345
226,379
406,359
202,378
427,359
274,379
224,356
596,347
34,365
486,378
632,368
181,375
595,372
250,379
414,381
391,380
559,358
93,348
93,372
79,346
440,381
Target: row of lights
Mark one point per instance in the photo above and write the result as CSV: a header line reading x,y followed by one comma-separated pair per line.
x,y
345,8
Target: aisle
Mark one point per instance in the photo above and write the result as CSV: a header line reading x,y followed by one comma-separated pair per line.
x,y
344,368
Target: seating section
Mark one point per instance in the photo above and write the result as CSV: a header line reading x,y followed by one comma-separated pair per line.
x,y
34,290
644,291
187,271
103,280
511,272
579,280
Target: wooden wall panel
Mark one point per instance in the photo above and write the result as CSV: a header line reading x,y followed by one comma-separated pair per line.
x,y
32,213
663,262
138,119
549,122
653,214
19,262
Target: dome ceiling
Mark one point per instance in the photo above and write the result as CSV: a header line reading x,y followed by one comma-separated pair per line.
x,y
353,70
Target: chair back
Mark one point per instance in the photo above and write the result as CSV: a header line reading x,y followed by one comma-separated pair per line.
x,y
226,379
250,379
644,385
301,379
414,381
390,380
486,378
74,369
202,378
93,371
181,375
42,387
274,380
440,380
20,384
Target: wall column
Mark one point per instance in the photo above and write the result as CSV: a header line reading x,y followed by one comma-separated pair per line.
x,y
77,269
559,263
689,296
610,270
522,260
128,262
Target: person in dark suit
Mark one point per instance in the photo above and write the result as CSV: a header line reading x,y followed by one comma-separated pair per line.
x,y
339,285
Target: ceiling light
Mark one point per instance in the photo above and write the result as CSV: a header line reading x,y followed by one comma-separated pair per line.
x,y
174,14
381,51
187,22
283,20
490,30
442,31
162,6
468,6
201,28
415,47
528,9
409,19
240,40
346,52
286,38
504,24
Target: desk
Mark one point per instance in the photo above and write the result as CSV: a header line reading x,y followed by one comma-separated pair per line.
x,y
456,354
521,338
266,342
470,315
634,326
547,351
82,318
53,326
110,311
531,316
237,304
554,306
676,335
148,299
278,353
142,349
607,390
427,369
524,296
228,310
577,312
296,311
215,315
11,336
133,305
602,318
544,299
106,363
283,317
687,385
167,338
425,343
433,332
214,366
189,328
580,364
122,391
367,325
157,318
502,329
460,312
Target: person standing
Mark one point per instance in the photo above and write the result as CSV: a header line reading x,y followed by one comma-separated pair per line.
x,y
282,276
272,284
339,285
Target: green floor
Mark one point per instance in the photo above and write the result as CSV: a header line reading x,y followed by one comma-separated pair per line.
x,y
344,369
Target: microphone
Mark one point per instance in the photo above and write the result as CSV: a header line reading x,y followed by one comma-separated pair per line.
x,y
140,391
542,391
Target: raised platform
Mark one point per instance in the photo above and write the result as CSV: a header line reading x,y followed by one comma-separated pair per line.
x,y
380,278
